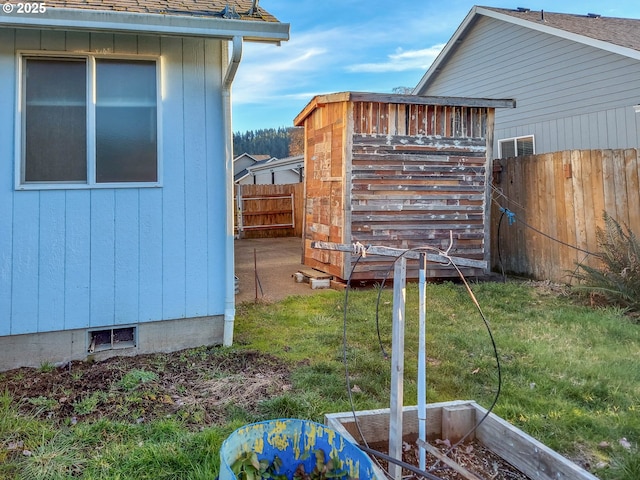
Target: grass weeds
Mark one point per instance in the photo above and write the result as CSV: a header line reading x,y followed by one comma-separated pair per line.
x,y
132,379
570,375
163,449
570,379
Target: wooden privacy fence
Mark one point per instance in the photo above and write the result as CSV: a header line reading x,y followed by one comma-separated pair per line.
x,y
265,211
562,195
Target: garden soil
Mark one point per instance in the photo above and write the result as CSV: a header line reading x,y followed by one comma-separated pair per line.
x,y
197,385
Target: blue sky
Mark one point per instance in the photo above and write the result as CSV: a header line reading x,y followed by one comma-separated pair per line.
x,y
359,45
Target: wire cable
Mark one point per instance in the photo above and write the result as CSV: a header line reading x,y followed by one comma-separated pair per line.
x,y
497,357
550,237
446,255
366,448
346,363
384,280
408,466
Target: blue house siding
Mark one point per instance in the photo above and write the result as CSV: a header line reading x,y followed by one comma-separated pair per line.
x,y
151,268
77,299
104,257
26,263
173,199
219,223
51,274
7,103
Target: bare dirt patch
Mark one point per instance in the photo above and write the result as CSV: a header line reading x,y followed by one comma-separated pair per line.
x,y
198,385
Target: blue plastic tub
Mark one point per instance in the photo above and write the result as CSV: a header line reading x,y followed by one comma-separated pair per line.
x,y
294,442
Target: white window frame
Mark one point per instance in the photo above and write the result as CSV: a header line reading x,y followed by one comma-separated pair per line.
x,y
515,141
21,184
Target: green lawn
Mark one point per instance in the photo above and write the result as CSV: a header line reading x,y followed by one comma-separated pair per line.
x,y
571,379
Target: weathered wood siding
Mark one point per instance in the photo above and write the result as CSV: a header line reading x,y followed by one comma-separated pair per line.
x,y
569,95
418,174
269,208
562,195
326,158
112,256
397,175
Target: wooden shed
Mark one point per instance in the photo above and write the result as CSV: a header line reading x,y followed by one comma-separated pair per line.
x,y
397,171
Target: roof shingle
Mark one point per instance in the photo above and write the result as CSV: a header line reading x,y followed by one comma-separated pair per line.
x,y
624,32
208,8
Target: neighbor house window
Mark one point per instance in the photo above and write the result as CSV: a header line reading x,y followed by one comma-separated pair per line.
x,y
88,121
516,147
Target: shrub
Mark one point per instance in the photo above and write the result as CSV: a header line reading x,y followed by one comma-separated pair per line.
x,y
617,278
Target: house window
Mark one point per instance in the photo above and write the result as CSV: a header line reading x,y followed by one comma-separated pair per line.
x,y
88,121
516,147
55,119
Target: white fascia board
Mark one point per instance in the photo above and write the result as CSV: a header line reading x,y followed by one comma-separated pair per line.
x,y
541,27
238,180
276,166
148,23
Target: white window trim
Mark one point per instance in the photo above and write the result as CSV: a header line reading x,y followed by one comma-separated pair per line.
x,y
514,139
91,183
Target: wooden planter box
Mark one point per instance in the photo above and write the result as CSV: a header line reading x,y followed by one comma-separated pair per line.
x,y
454,419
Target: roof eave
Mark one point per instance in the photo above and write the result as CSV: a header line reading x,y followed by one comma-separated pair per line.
x,y
148,23
476,12
318,101
280,164
559,32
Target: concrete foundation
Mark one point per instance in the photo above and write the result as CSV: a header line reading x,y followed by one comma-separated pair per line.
x,y
58,348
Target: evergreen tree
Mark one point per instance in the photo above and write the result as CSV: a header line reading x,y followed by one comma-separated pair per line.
x,y
274,142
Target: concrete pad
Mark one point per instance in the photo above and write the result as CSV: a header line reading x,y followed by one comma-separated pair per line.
x,y
276,262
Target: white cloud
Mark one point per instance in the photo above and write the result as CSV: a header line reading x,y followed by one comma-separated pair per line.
x,y
268,72
330,43
322,60
400,61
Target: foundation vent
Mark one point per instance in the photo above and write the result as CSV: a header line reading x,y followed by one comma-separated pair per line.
x,y
111,339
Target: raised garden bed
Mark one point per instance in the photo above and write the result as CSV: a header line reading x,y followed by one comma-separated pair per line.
x,y
451,420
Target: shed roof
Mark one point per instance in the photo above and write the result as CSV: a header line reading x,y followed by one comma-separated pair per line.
x,y
320,100
617,35
203,18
